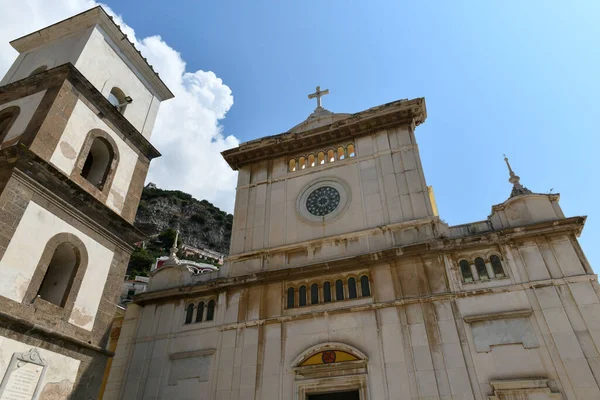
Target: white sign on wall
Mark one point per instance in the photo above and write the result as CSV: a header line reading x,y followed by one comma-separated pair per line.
x,y
22,378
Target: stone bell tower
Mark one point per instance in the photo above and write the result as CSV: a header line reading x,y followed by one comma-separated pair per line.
x,y
77,109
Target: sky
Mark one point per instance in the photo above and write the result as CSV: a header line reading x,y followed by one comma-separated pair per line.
x,y
513,77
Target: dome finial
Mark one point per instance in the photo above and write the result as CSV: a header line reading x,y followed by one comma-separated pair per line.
x,y
518,189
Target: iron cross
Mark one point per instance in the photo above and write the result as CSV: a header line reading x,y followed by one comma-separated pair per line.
x,y
318,94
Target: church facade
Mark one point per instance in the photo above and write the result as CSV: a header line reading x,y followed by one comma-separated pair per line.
x,y
77,109
344,283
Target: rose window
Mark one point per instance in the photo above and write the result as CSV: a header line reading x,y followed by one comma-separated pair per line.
x,y
323,201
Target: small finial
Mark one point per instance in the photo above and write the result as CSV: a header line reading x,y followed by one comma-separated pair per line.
x,y
174,248
518,189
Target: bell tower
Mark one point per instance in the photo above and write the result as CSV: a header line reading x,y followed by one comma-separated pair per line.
x,y
77,109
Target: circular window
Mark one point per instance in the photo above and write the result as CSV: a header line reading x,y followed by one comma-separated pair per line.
x,y
323,200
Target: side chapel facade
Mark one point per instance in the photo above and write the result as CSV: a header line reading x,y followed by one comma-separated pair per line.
x,y
344,283
77,109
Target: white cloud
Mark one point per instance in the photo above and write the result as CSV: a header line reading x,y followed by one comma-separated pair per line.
x,y
187,130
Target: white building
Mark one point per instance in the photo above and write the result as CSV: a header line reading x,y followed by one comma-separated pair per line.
x,y
343,283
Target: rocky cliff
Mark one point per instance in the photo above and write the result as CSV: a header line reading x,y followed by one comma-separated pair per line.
x,y
200,223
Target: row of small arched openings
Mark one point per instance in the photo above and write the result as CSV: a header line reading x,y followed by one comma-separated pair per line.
x,y
480,269
204,311
322,157
328,292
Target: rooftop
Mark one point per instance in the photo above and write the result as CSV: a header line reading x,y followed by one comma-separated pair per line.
x,y
84,20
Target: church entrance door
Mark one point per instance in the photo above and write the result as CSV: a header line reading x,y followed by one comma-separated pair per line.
x,y
352,395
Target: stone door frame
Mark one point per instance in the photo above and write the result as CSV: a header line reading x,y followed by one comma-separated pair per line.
x,y
328,378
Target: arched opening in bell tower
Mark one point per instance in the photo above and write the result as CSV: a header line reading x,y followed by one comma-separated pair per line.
x,y
98,162
58,279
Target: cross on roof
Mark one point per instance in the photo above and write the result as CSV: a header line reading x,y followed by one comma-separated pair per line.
x,y
318,94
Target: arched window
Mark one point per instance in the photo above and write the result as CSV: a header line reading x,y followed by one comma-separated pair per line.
x,y
59,276
352,288
339,290
189,312
311,160
292,165
117,98
330,156
314,294
200,312
465,271
39,69
290,298
321,158
326,292
364,286
481,269
301,163
98,162
302,296
350,150
341,153
497,266
7,118
210,311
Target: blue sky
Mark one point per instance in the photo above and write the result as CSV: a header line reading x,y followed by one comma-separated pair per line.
x,y
499,77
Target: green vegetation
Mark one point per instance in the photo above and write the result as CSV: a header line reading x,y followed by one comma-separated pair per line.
x,y
200,224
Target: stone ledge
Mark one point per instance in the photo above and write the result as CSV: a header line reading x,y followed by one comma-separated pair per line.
x,y
498,315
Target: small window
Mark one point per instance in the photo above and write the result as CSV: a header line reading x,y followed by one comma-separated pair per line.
x,y
481,269
352,288
314,294
290,298
465,271
330,156
189,313
327,292
39,69
292,165
364,286
59,276
117,98
130,293
497,266
301,163
321,158
341,153
7,117
311,160
302,296
210,311
200,312
350,150
98,162
339,290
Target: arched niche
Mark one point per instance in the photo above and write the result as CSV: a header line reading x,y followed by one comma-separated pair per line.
x,y
329,368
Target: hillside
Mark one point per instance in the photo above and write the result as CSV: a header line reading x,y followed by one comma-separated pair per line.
x,y
161,212
200,223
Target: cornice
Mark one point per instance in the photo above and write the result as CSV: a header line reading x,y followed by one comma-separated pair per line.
x,y
49,78
401,112
429,248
